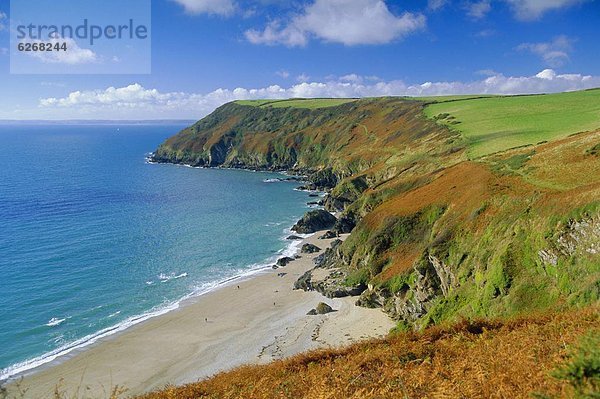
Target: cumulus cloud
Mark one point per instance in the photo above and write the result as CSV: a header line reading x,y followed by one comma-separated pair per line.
x,y
74,55
137,102
350,22
533,9
478,9
216,7
554,53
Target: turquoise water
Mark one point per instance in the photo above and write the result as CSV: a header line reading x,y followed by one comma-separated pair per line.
x,y
94,239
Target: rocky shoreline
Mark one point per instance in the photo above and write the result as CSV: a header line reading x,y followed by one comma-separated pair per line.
x,y
327,277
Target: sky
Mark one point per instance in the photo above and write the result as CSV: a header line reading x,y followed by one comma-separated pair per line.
x,y
205,53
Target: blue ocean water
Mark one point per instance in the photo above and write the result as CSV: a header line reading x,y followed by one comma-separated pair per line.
x,y
94,239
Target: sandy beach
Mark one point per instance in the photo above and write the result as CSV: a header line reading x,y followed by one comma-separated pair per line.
x,y
262,320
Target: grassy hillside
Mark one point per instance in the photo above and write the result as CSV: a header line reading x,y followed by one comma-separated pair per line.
x,y
464,208
499,123
437,236
308,103
541,356
486,238
346,138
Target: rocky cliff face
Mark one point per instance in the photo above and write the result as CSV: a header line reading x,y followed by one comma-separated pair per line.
x,y
431,280
329,276
578,237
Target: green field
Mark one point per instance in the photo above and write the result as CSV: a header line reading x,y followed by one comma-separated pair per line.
x,y
439,99
311,103
498,123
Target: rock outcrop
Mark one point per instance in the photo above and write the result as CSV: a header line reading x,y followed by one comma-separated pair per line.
x,y
329,277
282,262
577,237
309,248
322,308
345,224
433,279
313,221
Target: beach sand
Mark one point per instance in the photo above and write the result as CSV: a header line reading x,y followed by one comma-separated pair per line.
x,y
262,320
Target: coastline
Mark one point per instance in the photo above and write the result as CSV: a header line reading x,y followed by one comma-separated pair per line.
x,y
263,320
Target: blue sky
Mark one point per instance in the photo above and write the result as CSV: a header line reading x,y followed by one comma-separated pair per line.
x,y
208,52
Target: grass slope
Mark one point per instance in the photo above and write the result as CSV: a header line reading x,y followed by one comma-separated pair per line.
x,y
499,123
348,137
485,224
543,356
312,103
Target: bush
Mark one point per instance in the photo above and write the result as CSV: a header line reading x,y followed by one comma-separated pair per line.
x,y
582,370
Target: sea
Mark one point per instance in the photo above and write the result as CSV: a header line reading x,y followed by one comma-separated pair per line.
x,y
95,239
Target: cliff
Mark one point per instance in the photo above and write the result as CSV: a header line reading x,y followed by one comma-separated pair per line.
x,y
435,236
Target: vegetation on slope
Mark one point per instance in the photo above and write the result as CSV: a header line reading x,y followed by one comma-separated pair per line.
x,y
437,237
347,139
498,123
542,356
308,103
507,235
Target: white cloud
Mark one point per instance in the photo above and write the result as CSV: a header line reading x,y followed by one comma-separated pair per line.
x,y
52,84
353,78
435,5
547,74
74,55
534,9
487,72
485,33
478,9
303,78
218,7
283,74
350,22
273,34
3,18
554,53
136,102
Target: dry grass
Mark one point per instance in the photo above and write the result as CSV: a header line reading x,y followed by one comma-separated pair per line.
x,y
478,359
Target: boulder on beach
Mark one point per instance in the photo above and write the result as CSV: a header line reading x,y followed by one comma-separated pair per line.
x,y
304,282
322,308
313,221
329,234
293,237
281,262
309,249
